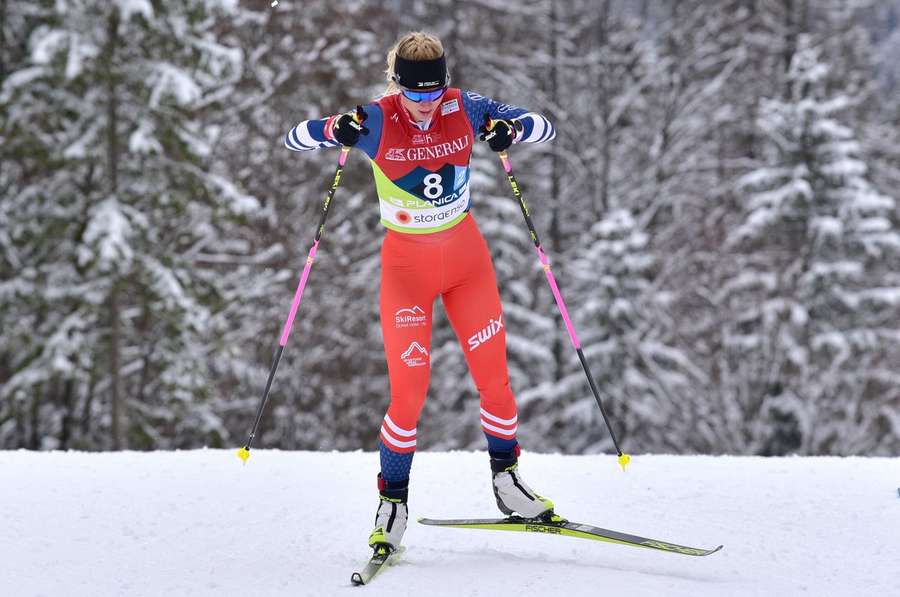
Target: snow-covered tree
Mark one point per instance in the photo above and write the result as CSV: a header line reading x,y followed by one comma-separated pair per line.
x,y
116,324
809,336
616,324
716,208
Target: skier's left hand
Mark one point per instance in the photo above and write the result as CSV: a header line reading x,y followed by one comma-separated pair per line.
x,y
499,134
348,127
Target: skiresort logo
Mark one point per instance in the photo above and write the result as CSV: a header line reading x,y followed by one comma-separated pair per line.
x,y
428,152
486,333
407,318
415,355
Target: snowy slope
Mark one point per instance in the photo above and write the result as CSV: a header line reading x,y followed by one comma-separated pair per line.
x,y
199,523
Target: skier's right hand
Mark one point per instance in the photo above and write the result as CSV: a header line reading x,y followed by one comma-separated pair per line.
x,y
348,127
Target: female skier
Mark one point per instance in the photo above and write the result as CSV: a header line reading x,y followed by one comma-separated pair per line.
x,y
419,138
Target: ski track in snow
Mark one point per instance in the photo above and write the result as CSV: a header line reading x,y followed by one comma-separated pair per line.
x,y
199,523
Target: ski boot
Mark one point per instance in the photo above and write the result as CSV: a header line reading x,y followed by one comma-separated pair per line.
x,y
391,517
513,495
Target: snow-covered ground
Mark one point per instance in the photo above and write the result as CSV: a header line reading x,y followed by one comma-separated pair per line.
x,y
295,523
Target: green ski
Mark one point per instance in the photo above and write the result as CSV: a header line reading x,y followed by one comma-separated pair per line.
x,y
381,559
562,527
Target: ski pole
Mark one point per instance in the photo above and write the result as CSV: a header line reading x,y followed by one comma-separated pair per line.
x,y
244,452
624,459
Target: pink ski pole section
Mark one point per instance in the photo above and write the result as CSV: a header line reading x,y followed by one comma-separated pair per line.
x,y
559,299
296,304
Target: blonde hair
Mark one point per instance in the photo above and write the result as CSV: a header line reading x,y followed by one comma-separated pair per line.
x,y
415,45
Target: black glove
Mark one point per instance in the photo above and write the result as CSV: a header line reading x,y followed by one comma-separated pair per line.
x,y
349,126
500,135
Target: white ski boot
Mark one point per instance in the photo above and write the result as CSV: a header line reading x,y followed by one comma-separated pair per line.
x,y
512,493
392,515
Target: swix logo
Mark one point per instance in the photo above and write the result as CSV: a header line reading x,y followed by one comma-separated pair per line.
x,y
486,333
415,355
395,117
405,318
428,152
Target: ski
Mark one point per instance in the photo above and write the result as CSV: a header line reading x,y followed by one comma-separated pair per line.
x,y
381,559
562,527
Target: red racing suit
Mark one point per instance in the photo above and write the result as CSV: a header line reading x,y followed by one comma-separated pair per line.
x,y
433,248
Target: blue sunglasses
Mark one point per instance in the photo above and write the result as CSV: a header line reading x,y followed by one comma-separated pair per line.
x,y
423,96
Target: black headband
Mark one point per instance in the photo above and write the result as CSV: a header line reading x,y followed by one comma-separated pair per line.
x,y
421,74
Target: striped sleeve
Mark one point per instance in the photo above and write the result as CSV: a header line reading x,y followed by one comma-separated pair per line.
x,y
309,135
317,134
535,129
